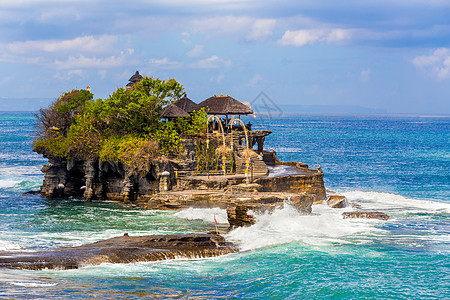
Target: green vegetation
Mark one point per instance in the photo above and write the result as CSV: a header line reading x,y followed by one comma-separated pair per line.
x,y
124,127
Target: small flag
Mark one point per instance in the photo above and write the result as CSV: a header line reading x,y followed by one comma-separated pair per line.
x,y
215,221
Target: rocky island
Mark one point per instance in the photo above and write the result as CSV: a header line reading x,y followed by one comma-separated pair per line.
x,y
150,146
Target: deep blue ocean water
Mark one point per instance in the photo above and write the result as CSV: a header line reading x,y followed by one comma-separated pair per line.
x,y
398,165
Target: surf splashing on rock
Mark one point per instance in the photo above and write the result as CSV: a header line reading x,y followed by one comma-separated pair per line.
x,y
325,226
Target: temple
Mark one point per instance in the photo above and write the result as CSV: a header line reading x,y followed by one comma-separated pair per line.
x,y
226,167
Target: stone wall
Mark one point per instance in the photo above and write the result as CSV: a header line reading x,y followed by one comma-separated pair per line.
x,y
309,184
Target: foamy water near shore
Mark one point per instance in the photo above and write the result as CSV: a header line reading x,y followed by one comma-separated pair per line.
x,y
392,165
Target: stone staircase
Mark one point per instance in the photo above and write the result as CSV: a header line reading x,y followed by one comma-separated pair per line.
x,y
257,165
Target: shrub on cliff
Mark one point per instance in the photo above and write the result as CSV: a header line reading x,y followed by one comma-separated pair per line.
x,y
117,128
61,113
53,123
138,109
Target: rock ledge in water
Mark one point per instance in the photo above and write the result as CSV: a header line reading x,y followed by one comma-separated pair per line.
x,y
124,249
366,215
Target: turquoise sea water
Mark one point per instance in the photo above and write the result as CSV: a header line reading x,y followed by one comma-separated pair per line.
x,y
398,165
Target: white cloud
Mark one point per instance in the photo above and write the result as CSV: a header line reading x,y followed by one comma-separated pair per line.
x,y
438,63
22,3
304,37
165,63
68,75
86,52
212,62
261,29
197,51
222,25
83,62
79,44
59,14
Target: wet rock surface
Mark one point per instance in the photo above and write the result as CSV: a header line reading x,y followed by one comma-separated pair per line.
x,y
239,209
366,215
337,201
124,249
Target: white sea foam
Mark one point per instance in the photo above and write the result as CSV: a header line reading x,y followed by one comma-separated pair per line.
x,y
325,226
205,214
22,280
8,246
20,176
8,183
287,149
19,171
282,170
393,203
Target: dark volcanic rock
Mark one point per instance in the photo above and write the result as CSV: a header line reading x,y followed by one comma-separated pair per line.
x,y
124,249
32,192
366,215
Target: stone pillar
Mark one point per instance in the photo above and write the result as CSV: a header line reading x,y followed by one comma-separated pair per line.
x,y
260,141
89,175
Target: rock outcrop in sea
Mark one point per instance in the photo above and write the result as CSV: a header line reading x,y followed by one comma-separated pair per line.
x,y
123,249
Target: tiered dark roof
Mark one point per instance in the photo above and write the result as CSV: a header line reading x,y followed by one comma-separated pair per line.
x,y
186,104
173,111
225,105
134,79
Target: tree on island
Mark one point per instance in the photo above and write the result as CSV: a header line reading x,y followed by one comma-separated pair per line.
x,y
123,127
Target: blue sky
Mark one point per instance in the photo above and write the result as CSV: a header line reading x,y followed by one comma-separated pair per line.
x,y
381,54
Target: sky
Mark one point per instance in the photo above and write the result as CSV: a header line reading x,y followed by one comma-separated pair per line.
x,y
387,55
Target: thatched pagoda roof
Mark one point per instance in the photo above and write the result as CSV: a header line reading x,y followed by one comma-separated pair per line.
x,y
136,77
186,104
173,111
225,105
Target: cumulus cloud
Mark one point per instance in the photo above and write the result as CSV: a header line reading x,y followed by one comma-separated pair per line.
x,y
212,62
304,37
438,62
261,29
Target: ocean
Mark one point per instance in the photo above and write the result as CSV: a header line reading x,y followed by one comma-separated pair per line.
x,y
396,165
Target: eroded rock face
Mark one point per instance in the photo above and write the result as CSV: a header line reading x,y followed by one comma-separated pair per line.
x,y
124,249
337,201
309,184
94,179
366,215
238,209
